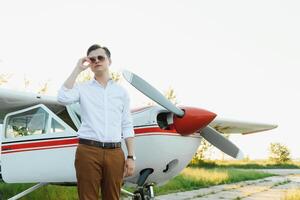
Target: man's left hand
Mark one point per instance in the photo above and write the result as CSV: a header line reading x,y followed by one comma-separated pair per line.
x,y
129,167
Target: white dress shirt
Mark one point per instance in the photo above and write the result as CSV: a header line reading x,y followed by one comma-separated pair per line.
x,y
105,112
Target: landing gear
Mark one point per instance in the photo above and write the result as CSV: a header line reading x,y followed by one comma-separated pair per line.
x,y
144,193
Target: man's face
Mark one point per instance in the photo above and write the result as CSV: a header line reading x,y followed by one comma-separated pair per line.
x,y
99,60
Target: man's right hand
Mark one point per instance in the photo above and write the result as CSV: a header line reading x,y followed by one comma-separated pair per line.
x,y
83,63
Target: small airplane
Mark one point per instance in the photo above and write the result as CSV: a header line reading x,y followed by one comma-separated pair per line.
x,y
39,140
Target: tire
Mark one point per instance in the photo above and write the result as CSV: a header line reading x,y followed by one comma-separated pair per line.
x,y
137,196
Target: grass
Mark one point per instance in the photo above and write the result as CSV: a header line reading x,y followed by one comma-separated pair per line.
x,y
188,179
292,194
195,178
48,192
244,164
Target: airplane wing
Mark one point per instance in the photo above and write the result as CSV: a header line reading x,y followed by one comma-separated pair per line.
x,y
227,126
11,100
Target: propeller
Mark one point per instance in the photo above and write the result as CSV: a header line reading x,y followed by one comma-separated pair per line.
x,y
151,92
221,142
186,117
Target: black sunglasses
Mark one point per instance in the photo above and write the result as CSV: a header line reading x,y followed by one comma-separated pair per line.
x,y
94,59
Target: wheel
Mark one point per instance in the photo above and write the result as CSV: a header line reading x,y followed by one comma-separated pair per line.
x,y
137,196
144,193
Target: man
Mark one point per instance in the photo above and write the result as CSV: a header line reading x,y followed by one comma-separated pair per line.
x,y
106,119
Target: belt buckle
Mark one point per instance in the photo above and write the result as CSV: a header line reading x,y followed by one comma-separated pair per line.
x,y
103,145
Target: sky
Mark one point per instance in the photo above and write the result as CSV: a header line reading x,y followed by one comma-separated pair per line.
x,y
239,59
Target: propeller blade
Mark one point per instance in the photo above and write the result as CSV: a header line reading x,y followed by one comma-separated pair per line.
x,y
222,143
151,92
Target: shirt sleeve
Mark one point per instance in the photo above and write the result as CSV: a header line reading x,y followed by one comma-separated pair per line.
x,y
127,125
68,96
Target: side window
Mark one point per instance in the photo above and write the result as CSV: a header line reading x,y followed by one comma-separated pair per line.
x,y
31,122
56,127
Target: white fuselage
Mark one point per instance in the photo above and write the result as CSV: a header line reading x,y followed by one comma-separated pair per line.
x,y
50,157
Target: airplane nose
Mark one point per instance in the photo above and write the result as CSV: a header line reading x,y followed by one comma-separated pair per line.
x,y
193,120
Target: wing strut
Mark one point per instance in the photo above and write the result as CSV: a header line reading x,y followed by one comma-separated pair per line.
x,y
29,190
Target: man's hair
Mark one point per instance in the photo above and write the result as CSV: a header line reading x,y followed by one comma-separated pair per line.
x,y
97,46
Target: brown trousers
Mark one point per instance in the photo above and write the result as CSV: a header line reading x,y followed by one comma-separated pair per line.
x,y
97,167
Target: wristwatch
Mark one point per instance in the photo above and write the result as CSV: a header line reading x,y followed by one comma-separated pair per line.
x,y
131,157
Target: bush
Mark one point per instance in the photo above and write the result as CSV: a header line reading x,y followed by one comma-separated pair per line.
x,y
279,153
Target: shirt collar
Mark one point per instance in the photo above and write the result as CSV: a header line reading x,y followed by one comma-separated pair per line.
x,y
109,82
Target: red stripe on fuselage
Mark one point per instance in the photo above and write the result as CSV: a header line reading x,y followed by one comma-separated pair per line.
x,y
50,142
29,149
61,143
152,129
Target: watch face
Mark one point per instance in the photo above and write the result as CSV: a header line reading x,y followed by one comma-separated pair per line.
x,y
131,157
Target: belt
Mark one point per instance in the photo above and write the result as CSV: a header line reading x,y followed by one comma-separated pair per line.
x,y
104,145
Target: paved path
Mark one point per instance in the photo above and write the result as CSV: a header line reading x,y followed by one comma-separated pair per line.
x,y
271,188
